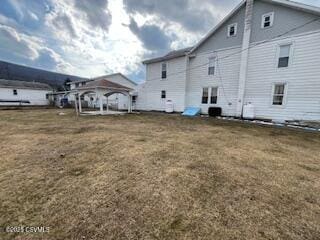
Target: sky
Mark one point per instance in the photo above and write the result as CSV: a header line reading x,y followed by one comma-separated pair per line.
x,y
90,38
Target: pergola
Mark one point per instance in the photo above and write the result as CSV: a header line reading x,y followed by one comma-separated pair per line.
x,y
101,88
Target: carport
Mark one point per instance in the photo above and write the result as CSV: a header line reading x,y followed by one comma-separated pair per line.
x,y
101,88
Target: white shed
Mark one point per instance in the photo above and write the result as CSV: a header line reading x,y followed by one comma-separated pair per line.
x,y
21,93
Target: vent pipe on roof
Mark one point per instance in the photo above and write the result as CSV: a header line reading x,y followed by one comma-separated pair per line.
x,y
244,56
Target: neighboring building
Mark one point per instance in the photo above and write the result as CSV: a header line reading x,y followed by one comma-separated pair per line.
x,y
265,52
21,93
116,101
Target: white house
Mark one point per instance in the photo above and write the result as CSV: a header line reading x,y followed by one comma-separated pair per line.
x,y
21,93
265,52
117,100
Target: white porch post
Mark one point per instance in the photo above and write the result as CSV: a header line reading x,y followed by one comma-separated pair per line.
x,y
107,104
76,104
101,103
129,103
80,107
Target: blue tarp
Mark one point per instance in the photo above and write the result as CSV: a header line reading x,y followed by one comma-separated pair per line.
x,y
191,111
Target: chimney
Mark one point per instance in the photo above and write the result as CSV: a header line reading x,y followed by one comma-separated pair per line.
x,y
244,56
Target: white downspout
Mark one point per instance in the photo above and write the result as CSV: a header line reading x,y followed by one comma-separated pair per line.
x,y
244,56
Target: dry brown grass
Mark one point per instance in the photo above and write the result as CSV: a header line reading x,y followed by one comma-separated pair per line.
x,y
154,176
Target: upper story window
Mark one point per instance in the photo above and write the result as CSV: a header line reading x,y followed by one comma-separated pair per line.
x,y
267,20
212,65
278,94
84,83
164,70
15,92
284,55
77,84
232,30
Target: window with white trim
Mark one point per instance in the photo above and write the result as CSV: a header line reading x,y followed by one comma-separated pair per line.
x,y
267,20
232,30
278,94
212,65
164,70
284,55
15,92
205,95
214,95
163,94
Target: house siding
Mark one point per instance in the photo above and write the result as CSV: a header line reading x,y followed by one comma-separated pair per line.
x,y
174,85
220,39
226,78
36,97
284,19
302,100
302,78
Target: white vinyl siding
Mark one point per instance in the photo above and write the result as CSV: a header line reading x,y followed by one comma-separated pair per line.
x,y
302,98
149,97
226,78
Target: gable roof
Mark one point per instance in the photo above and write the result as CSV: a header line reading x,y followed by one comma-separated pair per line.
x,y
105,76
103,83
5,83
120,74
285,3
170,55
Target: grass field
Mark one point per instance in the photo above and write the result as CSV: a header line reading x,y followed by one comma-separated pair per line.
x,y
156,176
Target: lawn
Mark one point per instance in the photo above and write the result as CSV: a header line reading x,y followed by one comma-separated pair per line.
x,y
156,176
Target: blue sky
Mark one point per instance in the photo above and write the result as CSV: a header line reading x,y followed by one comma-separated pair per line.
x,y
94,37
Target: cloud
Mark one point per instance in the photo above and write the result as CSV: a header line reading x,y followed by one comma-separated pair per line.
x,y
30,50
152,37
96,12
191,15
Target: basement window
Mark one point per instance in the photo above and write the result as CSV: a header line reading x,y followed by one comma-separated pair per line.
x,y
267,20
164,70
163,94
284,55
232,30
211,68
278,94
15,92
205,95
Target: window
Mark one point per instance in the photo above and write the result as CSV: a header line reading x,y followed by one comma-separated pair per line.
x,y
82,97
77,84
278,94
15,92
211,68
164,70
84,83
163,94
134,99
284,55
232,30
47,96
267,20
205,95
214,95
